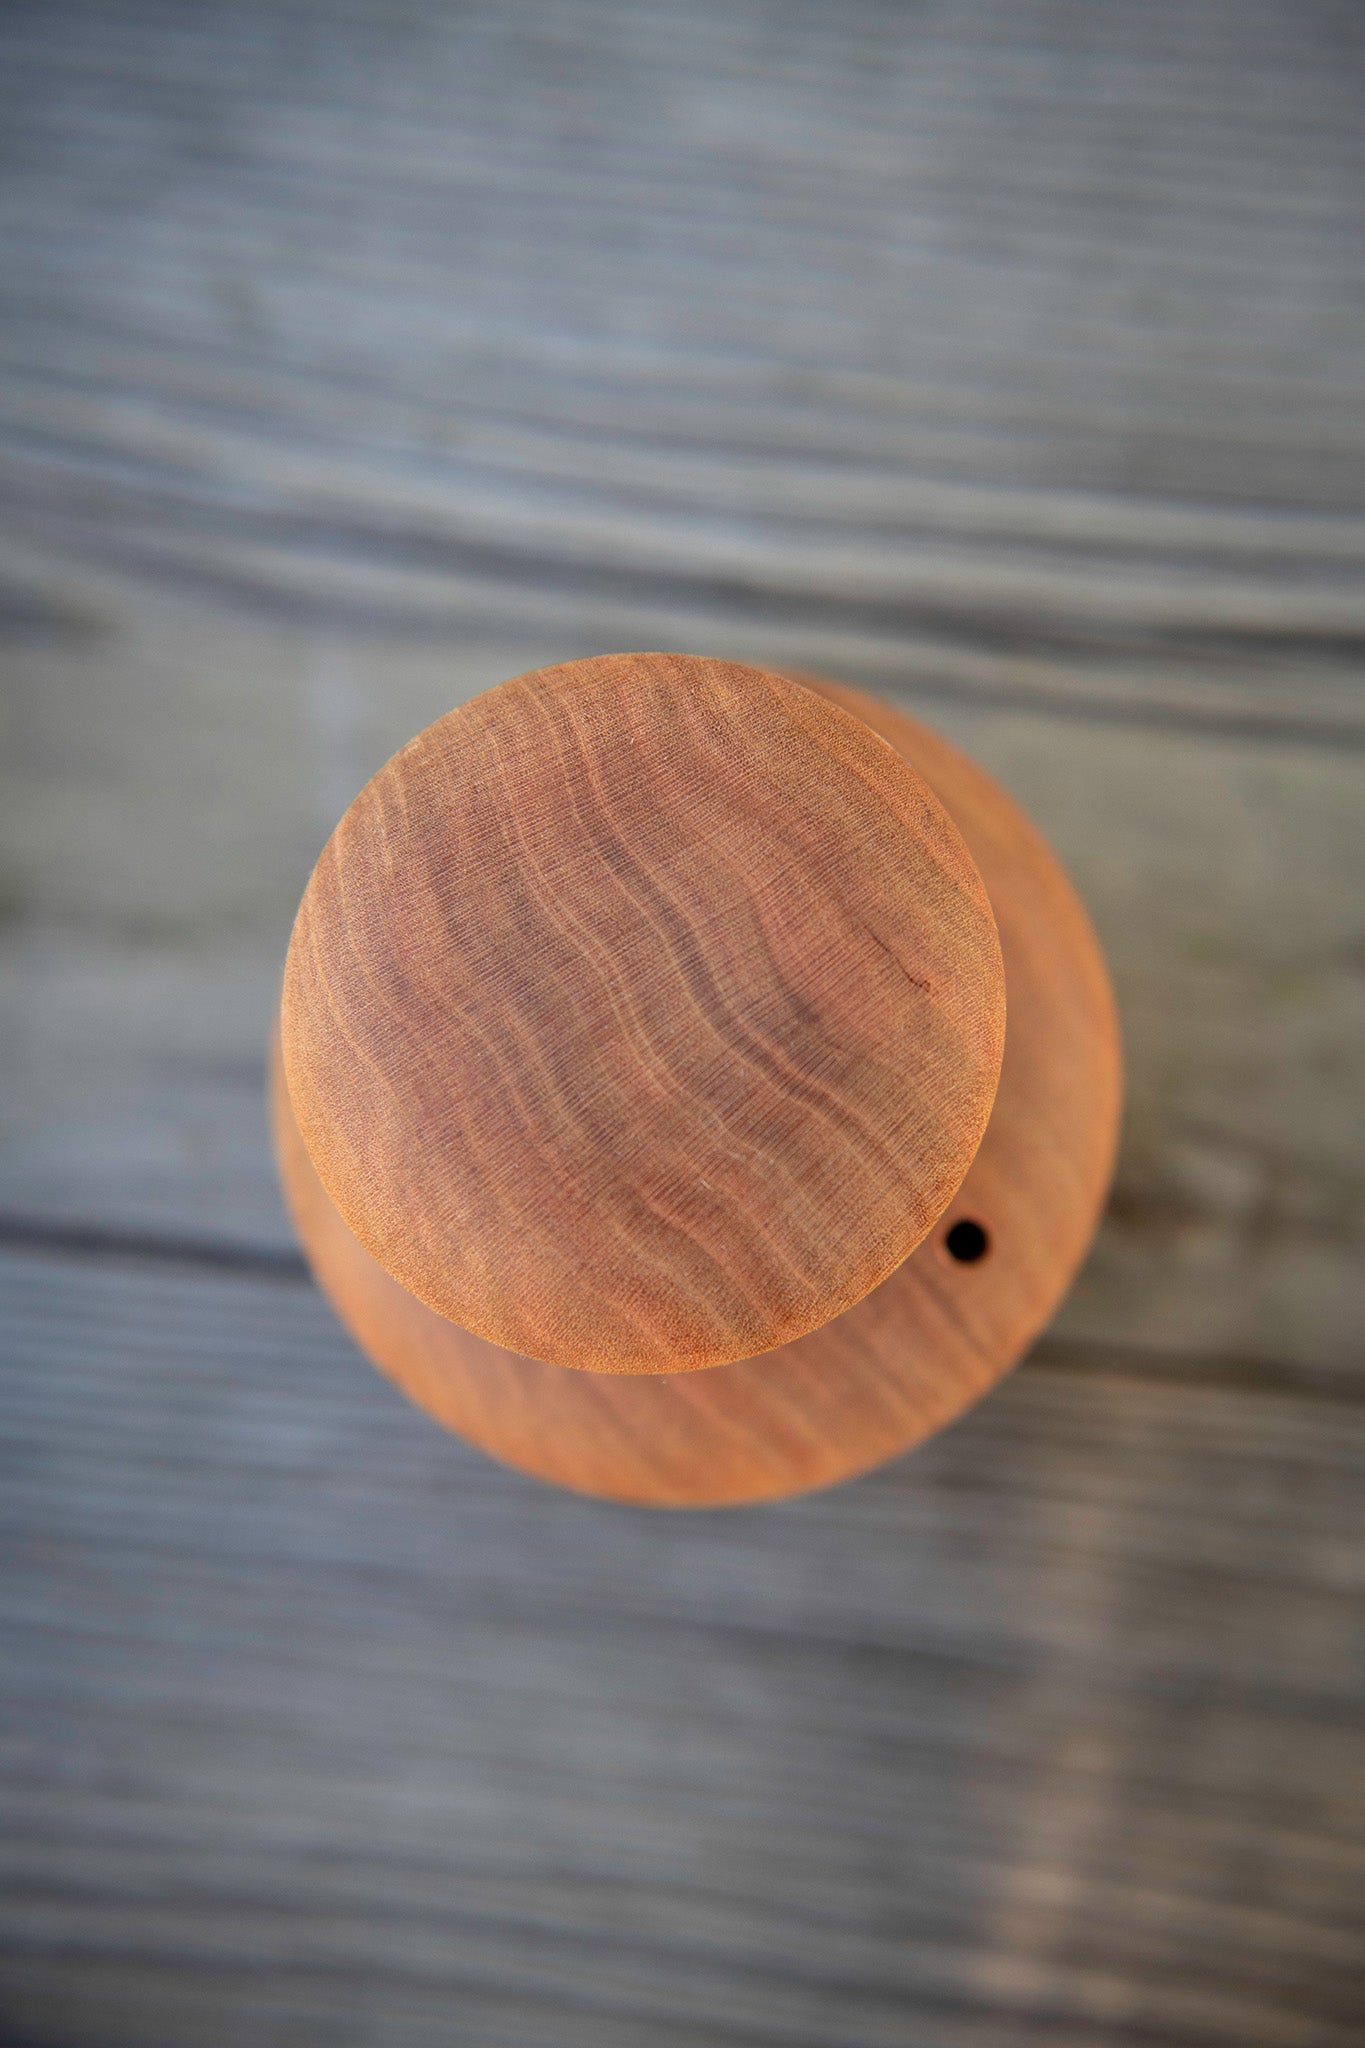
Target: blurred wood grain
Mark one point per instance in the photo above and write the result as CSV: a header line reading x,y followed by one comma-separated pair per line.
x,y
1006,359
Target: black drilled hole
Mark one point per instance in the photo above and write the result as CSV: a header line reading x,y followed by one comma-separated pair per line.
x,y
967,1241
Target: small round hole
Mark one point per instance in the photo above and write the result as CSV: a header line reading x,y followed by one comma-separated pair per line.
x,y
966,1241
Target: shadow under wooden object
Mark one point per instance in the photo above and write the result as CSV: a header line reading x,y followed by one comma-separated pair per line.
x,y
996,1249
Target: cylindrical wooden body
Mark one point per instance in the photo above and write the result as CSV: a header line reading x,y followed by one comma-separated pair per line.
x,y
898,1363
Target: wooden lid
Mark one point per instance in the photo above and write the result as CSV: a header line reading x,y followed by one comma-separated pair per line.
x,y
643,1013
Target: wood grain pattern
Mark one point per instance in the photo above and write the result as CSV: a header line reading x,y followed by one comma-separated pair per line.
x,y
643,1013
932,346
326,1728
900,1363
1002,356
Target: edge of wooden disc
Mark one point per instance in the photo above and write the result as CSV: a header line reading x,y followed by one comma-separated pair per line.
x,y
902,1362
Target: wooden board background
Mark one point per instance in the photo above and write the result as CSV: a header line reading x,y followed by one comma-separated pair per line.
x,y
1007,358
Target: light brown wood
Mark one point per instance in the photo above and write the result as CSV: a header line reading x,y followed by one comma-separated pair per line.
x,y
899,1364
643,1013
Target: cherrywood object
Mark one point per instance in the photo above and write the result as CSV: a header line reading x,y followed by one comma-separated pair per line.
x,y
643,1013
771,811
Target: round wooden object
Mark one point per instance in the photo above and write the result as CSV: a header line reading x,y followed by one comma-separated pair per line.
x,y
902,1362
643,1013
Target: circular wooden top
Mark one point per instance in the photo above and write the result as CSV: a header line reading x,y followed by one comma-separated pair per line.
x,y
643,1013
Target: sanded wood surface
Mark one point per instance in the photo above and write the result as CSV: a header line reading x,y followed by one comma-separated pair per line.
x,y
643,1014
901,1362
1004,356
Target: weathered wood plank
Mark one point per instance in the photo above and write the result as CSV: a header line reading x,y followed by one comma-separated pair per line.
x,y
1047,1733
332,314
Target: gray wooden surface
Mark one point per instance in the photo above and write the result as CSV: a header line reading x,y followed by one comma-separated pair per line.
x,y
1006,357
